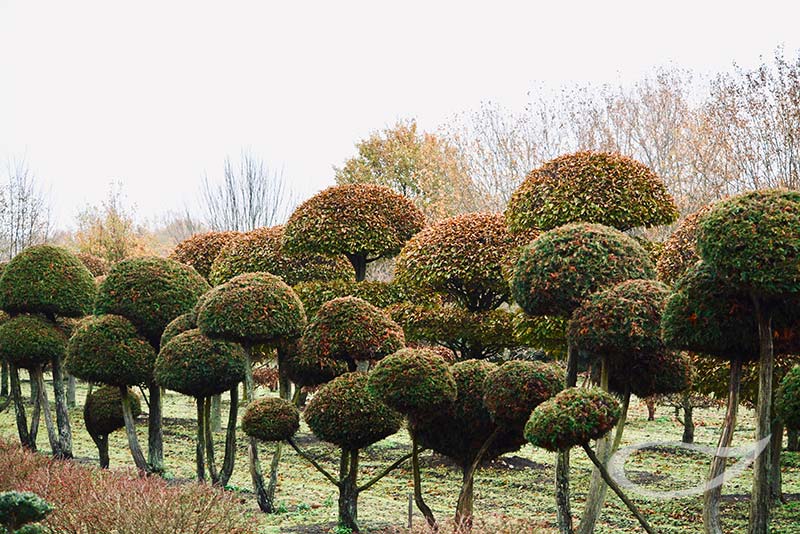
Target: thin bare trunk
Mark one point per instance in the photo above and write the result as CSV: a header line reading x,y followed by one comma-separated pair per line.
x,y
230,439
71,393
563,508
348,494
424,508
62,411
155,437
19,408
216,414
130,431
776,480
209,440
255,464
52,433
200,443
760,498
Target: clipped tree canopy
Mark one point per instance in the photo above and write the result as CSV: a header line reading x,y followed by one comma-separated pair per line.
x,y
97,266
102,412
28,341
564,266
307,368
345,413
787,401
573,417
515,388
271,419
200,250
661,372
380,294
150,292
680,250
179,325
49,280
107,349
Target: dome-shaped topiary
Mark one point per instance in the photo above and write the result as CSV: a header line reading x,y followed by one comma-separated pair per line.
x,y
787,401
595,187
564,266
413,381
150,292
515,388
102,412
345,413
680,250
198,366
307,368
380,294
464,257
660,372
753,240
28,341
261,250
97,266
271,419
200,250
352,329
179,325
49,280
573,417
108,349
252,308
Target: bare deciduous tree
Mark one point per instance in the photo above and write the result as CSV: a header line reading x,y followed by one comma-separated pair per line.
x,y
24,210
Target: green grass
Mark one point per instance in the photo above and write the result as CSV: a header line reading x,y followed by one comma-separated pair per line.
x,y
517,486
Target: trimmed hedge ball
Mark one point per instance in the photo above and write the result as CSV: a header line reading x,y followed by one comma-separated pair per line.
x,y
564,266
29,341
200,250
107,349
271,419
97,266
596,187
198,366
308,368
253,308
680,249
49,280
573,417
753,240
413,381
261,250
787,401
179,325
353,219
345,413
150,292
515,388
352,329
102,412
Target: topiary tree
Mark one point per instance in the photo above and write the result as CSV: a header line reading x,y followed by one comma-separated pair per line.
x,y
753,241
262,250
18,510
593,187
196,365
200,250
572,418
364,222
150,292
50,281
679,253
96,265
380,294
102,415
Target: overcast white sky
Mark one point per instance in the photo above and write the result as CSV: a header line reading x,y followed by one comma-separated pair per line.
x,y
156,93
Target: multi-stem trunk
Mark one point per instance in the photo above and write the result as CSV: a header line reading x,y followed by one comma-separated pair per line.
x,y
62,411
348,493
563,509
155,437
423,507
19,408
713,494
52,433
230,440
208,439
200,444
760,497
466,499
130,431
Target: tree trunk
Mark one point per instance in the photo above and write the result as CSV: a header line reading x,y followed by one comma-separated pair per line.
x,y
348,493
208,438
200,441
4,378
793,444
651,409
359,263
71,391
563,508
19,409
35,417
62,412
216,414
776,480
760,497
688,419
130,431
101,441
466,501
230,439
52,432
424,508
255,464
713,496
33,385
285,392
155,437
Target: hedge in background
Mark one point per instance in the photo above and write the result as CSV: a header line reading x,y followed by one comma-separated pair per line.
x,y
380,294
97,266
680,250
200,250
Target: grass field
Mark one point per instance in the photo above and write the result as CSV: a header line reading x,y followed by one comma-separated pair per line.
x,y
517,487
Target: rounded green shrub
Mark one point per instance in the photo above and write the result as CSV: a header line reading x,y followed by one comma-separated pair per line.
x,y
413,381
254,308
102,412
49,280
380,294
345,413
261,250
271,419
17,509
594,187
179,325
198,366
573,417
352,329
564,266
753,241
787,401
29,341
97,266
515,388
200,250
680,250
107,349
150,292
307,368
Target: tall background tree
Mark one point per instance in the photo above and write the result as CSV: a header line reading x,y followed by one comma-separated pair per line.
x,y
24,210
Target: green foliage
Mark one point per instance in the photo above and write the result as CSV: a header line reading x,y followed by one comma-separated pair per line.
x,y
352,329
307,368
271,419
380,294
198,366
592,187
49,280
787,401
413,381
464,257
200,250
345,413
564,266
253,308
660,372
753,240
261,250
179,325
680,250
543,332
102,412
20,508
358,219
28,341
573,417
515,388
97,266
150,292
107,349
